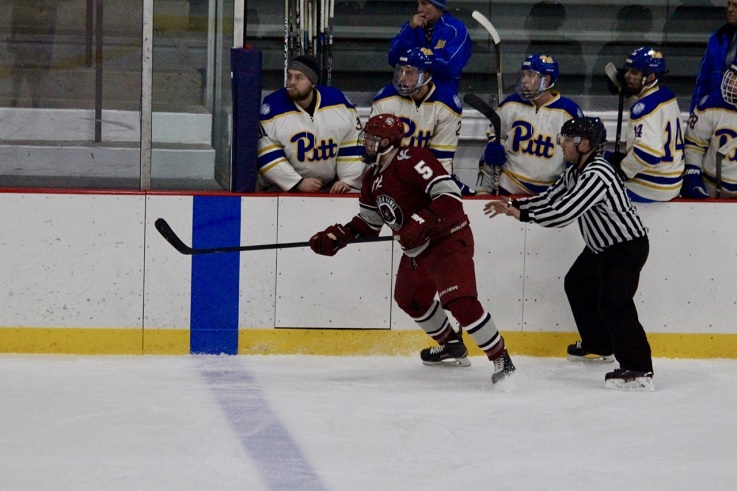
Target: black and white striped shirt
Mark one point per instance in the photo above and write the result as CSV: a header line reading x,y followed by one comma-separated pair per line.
x,y
595,196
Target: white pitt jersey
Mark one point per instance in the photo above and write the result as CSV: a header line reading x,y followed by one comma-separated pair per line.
x,y
712,125
534,160
294,145
434,124
654,161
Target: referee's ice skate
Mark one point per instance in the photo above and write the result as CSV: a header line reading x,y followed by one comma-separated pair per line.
x,y
629,380
576,352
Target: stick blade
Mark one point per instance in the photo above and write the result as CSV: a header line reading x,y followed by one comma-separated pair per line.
x,y
481,19
613,75
171,237
479,104
727,147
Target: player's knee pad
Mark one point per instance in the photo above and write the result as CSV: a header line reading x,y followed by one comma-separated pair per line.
x,y
466,310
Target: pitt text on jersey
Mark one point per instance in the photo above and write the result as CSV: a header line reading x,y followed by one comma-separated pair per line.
x,y
526,141
421,139
310,150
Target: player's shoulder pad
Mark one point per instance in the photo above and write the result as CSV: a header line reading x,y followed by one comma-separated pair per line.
x,y
645,106
386,92
414,154
714,101
330,96
567,105
514,99
446,96
276,104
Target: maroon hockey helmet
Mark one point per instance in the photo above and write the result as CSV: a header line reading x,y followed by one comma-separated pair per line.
x,y
386,126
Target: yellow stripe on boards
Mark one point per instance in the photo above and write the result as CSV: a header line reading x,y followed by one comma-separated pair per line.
x,y
328,342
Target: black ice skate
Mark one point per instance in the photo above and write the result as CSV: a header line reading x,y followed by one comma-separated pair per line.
x,y
577,353
451,354
503,366
629,380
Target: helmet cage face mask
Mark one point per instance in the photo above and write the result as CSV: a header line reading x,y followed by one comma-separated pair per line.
x,y
729,85
536,65
413,71
409,79
377,128
534,90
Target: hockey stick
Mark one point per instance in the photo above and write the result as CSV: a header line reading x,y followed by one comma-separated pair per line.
x,y
497,48
481,106
286,39
478,103
721,153
611,73
172,238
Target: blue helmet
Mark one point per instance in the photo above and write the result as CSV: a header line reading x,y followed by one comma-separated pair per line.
x,y
420,58
647,60
407,82
542,65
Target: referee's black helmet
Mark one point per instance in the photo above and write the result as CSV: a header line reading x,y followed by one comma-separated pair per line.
x,y
586,127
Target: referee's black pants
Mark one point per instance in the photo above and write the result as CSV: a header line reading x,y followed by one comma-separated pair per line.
x,y
601,289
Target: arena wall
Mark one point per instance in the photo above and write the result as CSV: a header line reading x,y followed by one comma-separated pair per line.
x,y
89,273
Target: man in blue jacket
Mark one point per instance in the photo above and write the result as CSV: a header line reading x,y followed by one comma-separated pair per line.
x,y
433,27
720,53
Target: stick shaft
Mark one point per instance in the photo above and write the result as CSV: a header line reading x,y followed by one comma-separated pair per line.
x,y
481,19
168,233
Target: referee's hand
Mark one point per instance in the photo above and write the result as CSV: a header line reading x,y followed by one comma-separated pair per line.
x,y
501,207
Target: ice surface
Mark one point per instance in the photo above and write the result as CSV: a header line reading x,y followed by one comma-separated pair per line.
x,y
359,423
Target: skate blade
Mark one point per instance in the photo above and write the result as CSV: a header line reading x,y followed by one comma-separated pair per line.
x,y
498,377
450,363
639,384
592,358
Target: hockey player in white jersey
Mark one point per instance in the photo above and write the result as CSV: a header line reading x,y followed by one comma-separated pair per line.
x,y
431,114
528,157
309,136
712,125
653,162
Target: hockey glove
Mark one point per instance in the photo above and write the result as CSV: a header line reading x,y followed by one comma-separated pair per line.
x,y
465,190
418,229
331,240
693,183
494,154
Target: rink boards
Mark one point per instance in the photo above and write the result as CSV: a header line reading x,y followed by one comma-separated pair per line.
x,y
89,273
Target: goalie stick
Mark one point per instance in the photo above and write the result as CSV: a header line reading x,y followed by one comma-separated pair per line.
x,y
721,153
611,73
481,106
481,19
172,238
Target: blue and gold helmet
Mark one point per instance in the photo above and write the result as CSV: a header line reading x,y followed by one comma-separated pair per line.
x,y
413,70
542,65
647,60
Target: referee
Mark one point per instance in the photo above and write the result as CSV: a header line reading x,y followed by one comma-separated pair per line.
x,y
603,280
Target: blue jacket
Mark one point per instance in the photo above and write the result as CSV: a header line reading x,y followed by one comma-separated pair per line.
x,y
712,67
450,44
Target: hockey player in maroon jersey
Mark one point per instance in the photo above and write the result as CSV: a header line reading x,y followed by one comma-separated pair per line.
x,y
410,191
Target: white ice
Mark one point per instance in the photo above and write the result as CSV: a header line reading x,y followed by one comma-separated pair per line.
x,y
359,423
